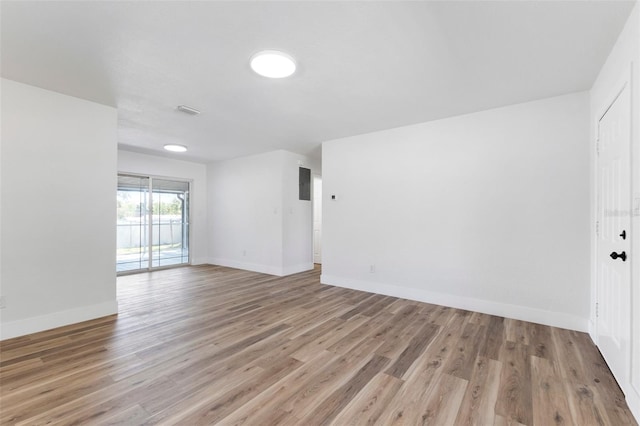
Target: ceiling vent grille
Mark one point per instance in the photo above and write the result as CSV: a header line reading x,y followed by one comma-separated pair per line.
x,y
188,110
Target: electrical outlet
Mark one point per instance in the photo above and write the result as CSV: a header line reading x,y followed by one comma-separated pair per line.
x,y
2,302
372,269
244,252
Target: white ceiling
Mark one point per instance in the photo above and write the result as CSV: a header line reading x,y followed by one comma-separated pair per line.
x,y
363,66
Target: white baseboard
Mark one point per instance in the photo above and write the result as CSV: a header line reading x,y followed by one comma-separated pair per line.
x,y
524,313
264,269
199,261
56,319
592,330
289,270
632,397
255,267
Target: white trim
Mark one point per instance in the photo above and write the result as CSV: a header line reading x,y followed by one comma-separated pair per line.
x,y
264,269
633,402
57,319
255,267
524,313
592,330
199,261
295,269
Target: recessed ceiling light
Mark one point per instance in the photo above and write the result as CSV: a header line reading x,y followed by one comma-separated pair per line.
x,y
273,64
175,148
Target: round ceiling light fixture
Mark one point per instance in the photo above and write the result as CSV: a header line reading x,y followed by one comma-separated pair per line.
x,y
175,148
273,64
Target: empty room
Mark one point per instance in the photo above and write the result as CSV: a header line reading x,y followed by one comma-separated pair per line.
x,y
320,212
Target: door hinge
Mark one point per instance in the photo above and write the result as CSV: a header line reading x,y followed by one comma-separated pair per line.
x,y
598,148
597,312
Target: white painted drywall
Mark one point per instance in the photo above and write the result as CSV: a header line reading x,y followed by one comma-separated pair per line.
x,y
245,212
137,163
58,209
256,221
623,62
487,211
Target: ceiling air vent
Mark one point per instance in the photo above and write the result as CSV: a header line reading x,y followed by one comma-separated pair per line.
x,y
187,110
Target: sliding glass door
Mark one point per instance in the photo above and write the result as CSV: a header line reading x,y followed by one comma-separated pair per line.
x,y
153,223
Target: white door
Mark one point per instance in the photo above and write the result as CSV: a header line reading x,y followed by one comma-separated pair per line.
x,y
613,234
317,219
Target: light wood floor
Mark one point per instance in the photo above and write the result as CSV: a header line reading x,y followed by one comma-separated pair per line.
x,y
206,345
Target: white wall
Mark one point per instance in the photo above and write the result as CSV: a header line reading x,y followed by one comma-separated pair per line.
x,y
58,210
256,221
136,163
623,63
486,211
245,213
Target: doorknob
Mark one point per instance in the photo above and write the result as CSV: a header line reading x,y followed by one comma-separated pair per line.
x,y
624,235
622,255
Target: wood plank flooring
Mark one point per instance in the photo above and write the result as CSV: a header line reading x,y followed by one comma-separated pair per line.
x,y
214,345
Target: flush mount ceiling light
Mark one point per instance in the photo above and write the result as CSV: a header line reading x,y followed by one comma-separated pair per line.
x,y
175,148
273,64
187,110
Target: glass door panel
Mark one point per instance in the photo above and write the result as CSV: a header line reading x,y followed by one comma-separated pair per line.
x,y
170,222
132,250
